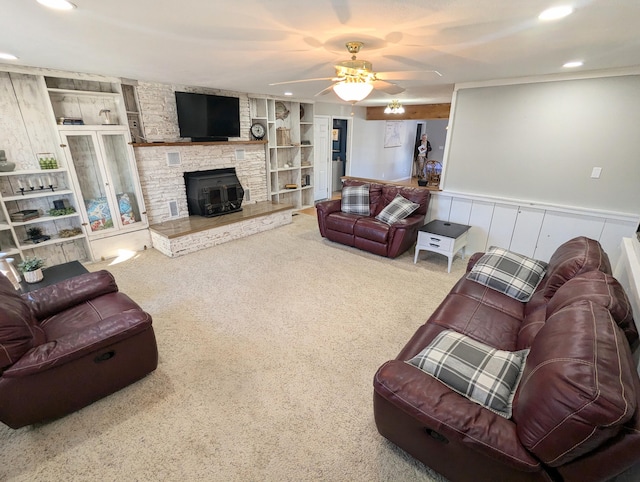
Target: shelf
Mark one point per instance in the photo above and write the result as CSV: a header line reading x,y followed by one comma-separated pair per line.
x,y
4,227
45,219
91,93
38,194
28,172
10,252
92,127
187,144
53,240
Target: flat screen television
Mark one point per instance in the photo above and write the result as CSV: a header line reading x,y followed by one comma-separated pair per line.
x,y
207,117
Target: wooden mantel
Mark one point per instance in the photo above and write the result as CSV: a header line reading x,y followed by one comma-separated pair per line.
x,y
411,112
187,144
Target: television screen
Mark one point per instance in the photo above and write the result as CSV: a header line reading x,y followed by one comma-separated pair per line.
x,y
208,117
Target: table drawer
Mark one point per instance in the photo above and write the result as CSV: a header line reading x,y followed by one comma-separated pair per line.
x,y
436,242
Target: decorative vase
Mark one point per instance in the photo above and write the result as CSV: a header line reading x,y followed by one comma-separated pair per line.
x,y
33,276
6,166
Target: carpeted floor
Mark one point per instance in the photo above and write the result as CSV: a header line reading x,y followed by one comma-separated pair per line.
x,y
268,346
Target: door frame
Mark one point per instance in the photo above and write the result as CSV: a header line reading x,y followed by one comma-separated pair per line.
x,y
349,144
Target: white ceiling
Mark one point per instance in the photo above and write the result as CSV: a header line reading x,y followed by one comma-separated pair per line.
x,y
245,45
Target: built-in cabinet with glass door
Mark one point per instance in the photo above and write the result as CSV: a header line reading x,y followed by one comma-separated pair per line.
x,y
93,125
289,131
107,184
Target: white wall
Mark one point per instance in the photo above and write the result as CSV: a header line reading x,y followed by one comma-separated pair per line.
x,y
369,158
540,141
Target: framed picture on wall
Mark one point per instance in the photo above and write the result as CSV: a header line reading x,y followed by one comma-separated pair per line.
x,y
393,132
335,135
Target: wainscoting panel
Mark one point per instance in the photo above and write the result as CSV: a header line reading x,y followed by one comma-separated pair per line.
x,y
529,228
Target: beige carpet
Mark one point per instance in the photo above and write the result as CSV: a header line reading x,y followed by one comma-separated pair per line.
x,y
268,346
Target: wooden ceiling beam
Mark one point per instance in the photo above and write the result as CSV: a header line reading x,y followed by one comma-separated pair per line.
x,y
411,112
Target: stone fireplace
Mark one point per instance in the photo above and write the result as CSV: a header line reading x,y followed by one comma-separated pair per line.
x,y
163,181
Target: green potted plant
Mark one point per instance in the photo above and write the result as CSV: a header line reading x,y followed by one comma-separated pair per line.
x,y
31,268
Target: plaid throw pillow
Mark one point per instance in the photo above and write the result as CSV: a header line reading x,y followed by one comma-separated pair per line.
x,y
481,373
397,210
355,199
510,273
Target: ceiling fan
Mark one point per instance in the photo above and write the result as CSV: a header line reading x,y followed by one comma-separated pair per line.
x,y
355,79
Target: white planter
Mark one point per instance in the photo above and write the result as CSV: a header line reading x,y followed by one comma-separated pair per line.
x,y
33,276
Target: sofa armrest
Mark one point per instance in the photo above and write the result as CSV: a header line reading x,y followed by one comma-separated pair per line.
x,y
58,297
330,206
323,209
90,339
452,415
473,259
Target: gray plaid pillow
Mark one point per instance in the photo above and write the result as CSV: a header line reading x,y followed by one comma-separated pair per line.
x,y
397,210
483,374
355,199
510,273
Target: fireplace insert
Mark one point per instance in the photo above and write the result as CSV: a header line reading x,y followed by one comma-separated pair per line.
x,y
213,192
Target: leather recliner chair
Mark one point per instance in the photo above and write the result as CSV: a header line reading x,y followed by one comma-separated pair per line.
x,y
64,346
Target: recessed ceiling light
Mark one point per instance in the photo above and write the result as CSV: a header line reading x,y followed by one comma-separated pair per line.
x,y
288,93
6,56
573,63
554,13
57,4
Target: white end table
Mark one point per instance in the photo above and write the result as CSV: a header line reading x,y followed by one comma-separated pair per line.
x,y
442,237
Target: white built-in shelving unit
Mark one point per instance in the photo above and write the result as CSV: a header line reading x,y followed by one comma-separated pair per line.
x,y
289,157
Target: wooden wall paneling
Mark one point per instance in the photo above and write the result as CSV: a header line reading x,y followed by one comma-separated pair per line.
x,y
13,135
503,223
612,233
460,210
526,231
480,222
439,207
559,227
411,112
36,115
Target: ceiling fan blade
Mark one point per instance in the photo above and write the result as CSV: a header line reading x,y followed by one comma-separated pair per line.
x,y
325,91
302,80
407,74
388,87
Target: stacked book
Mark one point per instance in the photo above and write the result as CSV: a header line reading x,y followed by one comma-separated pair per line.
x,y
24,215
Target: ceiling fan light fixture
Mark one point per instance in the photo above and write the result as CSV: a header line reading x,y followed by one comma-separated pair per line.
x,y
394,107
352,90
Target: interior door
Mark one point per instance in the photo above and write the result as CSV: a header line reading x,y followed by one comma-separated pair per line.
x,y
322,158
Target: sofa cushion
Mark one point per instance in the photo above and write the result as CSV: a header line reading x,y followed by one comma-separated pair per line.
x,y
510,273
375,193
479,372
342,222
17,325
578,255
370,228
575,396
603,289
397,210
355,200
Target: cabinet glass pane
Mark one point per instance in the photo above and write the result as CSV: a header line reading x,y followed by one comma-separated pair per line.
x,y
85,160
119,167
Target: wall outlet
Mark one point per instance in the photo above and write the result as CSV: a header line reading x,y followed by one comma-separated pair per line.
x,y
595,173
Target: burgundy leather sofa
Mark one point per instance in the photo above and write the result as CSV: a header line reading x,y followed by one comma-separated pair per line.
x,y
576,411
366,232
64,346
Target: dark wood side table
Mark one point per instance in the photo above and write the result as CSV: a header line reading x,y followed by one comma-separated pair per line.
x,y
442,237
55,274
